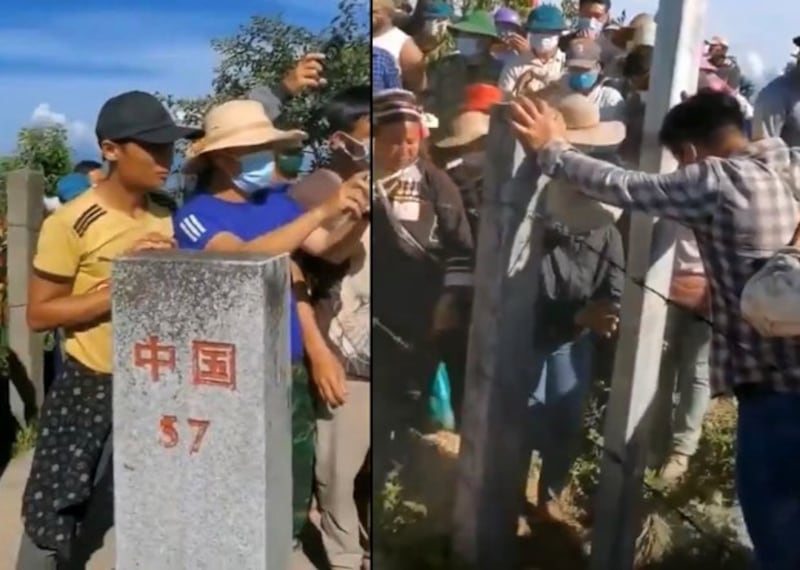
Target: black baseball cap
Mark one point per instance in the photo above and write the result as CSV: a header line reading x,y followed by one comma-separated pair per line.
x,y
139,116
796,41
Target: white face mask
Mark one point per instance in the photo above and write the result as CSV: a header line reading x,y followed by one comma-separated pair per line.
x,y
543,43
468,47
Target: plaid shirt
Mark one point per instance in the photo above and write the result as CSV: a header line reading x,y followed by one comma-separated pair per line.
x,y
385,74
741,209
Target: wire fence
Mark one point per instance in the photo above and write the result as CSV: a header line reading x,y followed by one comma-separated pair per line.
x,y
726,545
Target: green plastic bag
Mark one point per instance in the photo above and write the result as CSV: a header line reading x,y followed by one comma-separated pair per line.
x,y
439,403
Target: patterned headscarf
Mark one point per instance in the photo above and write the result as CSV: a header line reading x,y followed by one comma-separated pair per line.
x,y
394,105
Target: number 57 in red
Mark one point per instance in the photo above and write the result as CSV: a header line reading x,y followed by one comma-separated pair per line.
x,y
169,432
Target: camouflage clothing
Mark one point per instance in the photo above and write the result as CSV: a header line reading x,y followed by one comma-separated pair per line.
x,y
447,79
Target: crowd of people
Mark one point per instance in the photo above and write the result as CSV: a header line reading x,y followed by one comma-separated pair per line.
x,y
248,192
577,92
406,165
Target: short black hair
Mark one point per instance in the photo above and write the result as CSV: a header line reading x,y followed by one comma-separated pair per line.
x,y
638,62
86,166
606,3
347,107
701,119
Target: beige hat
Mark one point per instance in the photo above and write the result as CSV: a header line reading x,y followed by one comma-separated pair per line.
x,y
238,124
467,127
640,31
584,127
566,204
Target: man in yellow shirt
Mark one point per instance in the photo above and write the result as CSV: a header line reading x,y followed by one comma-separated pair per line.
x,y
70,289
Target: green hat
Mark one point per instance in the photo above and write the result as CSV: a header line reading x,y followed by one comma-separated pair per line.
x,y
478,22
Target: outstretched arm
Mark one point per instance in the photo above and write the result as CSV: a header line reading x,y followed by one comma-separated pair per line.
x,y
688,195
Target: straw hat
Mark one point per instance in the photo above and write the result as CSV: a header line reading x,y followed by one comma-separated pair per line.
x,y
238,124
467,127
640,31
582,118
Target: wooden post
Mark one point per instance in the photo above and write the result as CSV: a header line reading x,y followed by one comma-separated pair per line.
x,y
636,366
494,456
25,208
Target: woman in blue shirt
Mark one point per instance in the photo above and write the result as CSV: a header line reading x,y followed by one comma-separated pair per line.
x,y
242,205
239,208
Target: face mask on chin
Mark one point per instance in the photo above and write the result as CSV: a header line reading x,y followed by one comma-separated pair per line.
x,y
359,152
256,170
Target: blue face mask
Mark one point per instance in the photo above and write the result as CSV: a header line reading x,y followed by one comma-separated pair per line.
x,y
255,172
583,80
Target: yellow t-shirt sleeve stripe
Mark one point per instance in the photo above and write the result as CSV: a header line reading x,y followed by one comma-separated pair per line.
x,y
57,252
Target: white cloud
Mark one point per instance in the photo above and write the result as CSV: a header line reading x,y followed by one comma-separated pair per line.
x,y
43,115
753,66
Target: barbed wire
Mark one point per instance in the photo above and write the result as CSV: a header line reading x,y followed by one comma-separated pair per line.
x,y
726,544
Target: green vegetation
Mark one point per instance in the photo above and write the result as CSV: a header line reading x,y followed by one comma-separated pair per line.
x,y
414,512
267,47
26,440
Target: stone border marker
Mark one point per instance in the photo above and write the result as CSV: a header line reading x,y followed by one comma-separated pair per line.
x,y
24,192
202,412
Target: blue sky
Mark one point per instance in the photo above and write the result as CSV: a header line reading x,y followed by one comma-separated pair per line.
x,y
59,61
760,32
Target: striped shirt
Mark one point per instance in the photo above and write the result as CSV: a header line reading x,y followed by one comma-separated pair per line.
x,y
741,209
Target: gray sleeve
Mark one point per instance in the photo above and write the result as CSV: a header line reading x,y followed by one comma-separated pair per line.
x,y
272,98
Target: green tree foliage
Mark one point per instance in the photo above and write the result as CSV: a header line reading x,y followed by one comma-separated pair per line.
x,y
40,148
267,47
45,149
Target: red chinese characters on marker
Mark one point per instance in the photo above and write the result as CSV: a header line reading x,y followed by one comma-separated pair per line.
x,y
214,364
154,356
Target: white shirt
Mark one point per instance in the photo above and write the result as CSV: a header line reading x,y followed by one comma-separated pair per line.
x,y
392,41
687,255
